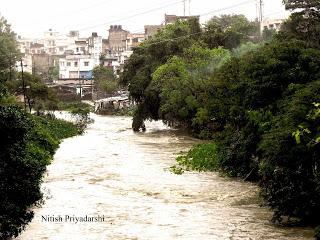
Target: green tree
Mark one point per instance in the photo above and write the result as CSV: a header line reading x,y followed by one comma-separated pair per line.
x,y
182,86
8,55
229,31
104,79
301,4
8,47
290,175
38,95
267,34
154,52
304,22
53,73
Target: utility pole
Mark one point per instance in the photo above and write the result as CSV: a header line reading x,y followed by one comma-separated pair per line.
x,y
260,10
23,85
189,7
184,7
260,16
10,67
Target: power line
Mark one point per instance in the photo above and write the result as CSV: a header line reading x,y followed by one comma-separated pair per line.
x,y
204,14
193,34
155,9
131,16
227,8
125,18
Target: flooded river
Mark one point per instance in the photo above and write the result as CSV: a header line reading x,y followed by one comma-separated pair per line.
x,y
123,177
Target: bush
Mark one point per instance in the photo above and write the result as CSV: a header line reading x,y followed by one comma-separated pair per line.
x,y
28,144
58,128
290,174
201,157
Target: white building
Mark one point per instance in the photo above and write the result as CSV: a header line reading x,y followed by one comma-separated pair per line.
x,y
49,41
95,47
76,66
27,64
125,56
272,24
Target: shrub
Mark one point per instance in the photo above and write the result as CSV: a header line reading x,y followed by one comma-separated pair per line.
x,y
28,144
201,157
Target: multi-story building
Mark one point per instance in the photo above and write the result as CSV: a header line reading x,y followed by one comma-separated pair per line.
x,y
124,58
49,41
43,63
151,30
170,19
134,40
76,67
36,48
117,39
95,47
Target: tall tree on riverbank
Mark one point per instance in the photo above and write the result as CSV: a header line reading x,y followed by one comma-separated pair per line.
x,y
229,31
8,56
304,22
137,75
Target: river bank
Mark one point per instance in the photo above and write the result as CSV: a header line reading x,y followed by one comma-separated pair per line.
x,y
28,145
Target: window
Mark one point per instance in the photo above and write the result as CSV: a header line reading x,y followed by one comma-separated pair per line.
x,y
68,64
76,64
86,64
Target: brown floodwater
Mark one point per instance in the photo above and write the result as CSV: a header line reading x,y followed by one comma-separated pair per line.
x,y
124,176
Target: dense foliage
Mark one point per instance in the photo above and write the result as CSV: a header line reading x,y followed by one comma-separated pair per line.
x,y
104,79
201,157
257,101
28,144
181,47
39,96
304,21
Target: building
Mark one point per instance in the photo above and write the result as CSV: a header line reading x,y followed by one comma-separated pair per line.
x,y
134,40
76,67
151,30
125,57
49,41
36,48
43,64
117,39
272,24
95,47
170,19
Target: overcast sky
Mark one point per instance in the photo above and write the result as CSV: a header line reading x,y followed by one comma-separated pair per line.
x,y
31,18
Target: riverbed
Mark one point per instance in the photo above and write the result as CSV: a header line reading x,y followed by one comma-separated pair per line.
x,y
124,177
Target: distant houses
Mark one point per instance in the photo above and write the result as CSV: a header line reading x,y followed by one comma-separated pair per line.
x,y
58,57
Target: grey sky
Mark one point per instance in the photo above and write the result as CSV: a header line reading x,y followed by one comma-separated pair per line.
x,y
32,17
